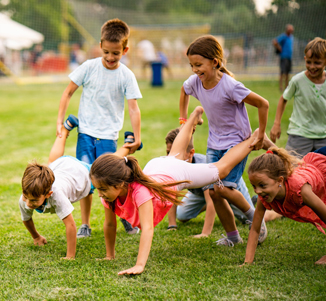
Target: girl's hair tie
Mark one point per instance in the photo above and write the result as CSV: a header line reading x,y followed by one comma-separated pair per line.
x,y
126,159
269,152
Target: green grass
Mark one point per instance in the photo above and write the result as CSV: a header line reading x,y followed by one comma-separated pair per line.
x,y
179,267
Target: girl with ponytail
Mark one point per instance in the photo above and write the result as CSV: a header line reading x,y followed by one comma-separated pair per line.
x,y
291,187
143,198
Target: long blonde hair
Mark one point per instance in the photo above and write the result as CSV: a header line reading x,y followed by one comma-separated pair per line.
x,y
112,170
279,163
209,48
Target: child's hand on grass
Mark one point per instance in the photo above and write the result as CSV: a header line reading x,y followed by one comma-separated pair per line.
x,y
105,258
137,269
200,235
67,258
40,241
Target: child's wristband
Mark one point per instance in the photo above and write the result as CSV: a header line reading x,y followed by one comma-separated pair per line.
x,y
182,120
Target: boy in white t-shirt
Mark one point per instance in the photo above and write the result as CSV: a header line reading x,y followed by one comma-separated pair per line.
x,y
54,187
106,84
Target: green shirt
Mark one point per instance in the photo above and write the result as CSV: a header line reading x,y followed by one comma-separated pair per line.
x,y
308,118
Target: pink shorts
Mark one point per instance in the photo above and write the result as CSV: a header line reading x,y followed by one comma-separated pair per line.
x,y
200,175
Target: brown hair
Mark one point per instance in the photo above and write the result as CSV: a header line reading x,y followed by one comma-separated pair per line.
x,y
209,48
37,180
317,47
115,31
279,163
112,170
173,134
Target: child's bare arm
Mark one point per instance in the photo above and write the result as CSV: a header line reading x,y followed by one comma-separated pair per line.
x,y
275,132
39,240
209,217
183,103
313,201
64,102
254,232
262,105
71,234
146,237
134,114
110,232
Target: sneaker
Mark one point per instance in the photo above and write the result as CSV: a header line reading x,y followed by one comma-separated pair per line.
x,y
254,199
73,120
263,231
84,231
135,230
227,242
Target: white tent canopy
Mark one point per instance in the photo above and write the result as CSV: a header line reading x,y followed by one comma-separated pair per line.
x,y
17,36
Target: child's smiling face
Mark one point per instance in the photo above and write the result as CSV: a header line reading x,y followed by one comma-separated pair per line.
x,y
109,193
203,67
111,54
315,67
34,203
267,189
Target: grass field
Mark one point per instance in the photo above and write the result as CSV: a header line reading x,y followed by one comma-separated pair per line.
x,y
179,266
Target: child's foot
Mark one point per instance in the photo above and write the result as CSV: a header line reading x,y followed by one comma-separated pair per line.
x,y
172,228
198,112
129,138
71,122
84,231
267,143
228,242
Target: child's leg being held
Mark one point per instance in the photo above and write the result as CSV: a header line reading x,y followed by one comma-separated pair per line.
x,y
182,140
58,147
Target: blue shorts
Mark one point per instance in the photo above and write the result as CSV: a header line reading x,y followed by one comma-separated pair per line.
x,y
90,148
213,155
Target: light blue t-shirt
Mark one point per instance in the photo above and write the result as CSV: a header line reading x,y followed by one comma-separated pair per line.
x,y
286,43
225,110
101,108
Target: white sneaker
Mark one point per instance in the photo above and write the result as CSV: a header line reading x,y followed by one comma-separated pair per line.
x,y
263,231
227,242
84,231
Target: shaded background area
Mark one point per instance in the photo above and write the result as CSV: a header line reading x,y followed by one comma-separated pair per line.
x,y
71,30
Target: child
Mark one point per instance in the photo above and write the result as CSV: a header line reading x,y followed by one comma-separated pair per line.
x,y
105,83
53,188
307,128
223,99
144,197
198,200
295,189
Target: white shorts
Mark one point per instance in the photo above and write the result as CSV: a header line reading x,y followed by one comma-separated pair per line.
x,y
199,175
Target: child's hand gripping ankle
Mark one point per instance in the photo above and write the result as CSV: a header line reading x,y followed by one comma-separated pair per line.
x,y
131,144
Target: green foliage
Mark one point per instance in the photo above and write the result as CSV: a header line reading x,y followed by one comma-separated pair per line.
x,y
179,266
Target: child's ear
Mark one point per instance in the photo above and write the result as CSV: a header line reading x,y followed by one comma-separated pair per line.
x,y
100,45
281,179
49,194
125,50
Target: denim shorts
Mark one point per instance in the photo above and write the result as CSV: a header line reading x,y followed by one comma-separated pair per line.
x,y
90,148
234,176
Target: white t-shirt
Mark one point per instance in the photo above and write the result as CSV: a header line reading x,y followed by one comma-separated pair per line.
x,y
102,103
72,183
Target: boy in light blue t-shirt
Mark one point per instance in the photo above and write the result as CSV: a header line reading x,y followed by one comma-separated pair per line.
x,y
106,83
